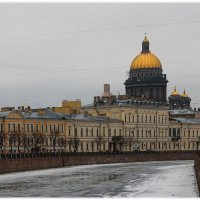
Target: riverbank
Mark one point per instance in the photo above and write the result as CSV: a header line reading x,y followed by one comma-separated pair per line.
x,y
44,161
197,168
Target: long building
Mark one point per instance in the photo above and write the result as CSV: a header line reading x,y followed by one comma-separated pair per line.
x,y
47,131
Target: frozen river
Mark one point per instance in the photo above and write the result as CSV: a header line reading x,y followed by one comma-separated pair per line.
x,y
141,179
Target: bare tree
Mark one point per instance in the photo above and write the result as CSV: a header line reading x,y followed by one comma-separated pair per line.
x,y
74,142
11,139
99,142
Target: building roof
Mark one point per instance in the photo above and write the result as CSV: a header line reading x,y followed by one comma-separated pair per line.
x,y
4,114
82,117
181,112
47,114
187,120
131,103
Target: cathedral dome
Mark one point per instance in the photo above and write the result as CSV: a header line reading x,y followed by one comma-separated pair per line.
x,y
175,93
146,59
184,94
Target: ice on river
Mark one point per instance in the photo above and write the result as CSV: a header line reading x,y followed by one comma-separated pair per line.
x,y
139,179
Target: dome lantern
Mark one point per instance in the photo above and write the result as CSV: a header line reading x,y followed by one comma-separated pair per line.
x,y
145,45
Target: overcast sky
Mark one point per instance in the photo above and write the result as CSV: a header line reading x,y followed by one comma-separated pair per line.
x,y
50,52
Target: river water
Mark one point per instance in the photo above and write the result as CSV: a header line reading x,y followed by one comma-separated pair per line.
x,y
139,179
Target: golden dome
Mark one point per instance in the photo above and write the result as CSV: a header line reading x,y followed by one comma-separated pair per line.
x,y
175,93
184,94
145,59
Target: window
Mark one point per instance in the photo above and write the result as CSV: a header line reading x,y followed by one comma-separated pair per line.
x,y
86,132
19,127
104,131
8,127
62,128
114,132
92,132
50,127
58,128
109,132
97,132
27,127
69,131
31,127
75,132
92,147
81,132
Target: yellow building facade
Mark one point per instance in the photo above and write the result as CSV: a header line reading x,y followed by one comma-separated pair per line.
x,y
47,131
68,107
151,127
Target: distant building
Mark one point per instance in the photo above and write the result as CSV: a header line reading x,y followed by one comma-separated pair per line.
x,y
68,107
4,109
177,101
107,97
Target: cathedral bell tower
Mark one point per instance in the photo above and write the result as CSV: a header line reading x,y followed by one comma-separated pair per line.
x,y
146,79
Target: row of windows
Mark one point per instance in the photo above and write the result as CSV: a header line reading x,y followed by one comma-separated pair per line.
x,y
145,133
145,74
30,141
89,146
176,132
35,128
91,132
145,119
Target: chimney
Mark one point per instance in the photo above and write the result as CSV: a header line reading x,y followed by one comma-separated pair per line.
x,y
106,92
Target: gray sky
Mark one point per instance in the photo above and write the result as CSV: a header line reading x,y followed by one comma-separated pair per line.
x,y
50,52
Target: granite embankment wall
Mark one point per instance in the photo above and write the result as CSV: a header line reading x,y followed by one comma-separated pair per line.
x,y
8,165
197,168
